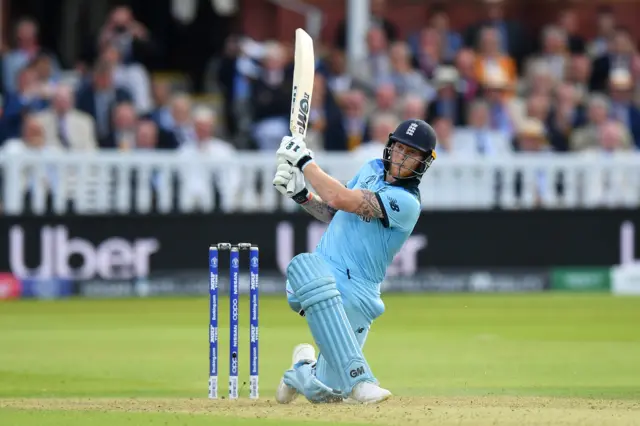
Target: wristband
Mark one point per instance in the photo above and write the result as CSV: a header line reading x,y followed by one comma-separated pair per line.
x,y
306,159
302,197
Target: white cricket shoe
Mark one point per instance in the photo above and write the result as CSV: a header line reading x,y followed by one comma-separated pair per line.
x,y
367,393
303,352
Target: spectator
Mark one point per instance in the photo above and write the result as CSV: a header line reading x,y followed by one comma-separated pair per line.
x,y
32,140
161,113
538,106
405,79
182,132
377,65
540,80
444,133
146,135
133,77
606,28
233,84
207,143
511,36
27,49
353,128
337,76
125,123
45,77
504,112
413,106
477,137
66,127
622,107
598,111
131,38
567,113
98,97
568,23
378,19
491,58
555,52
198,180
271,94
606,186
382,124
386,100
27,99
326,120
531,139
430,52
451,40
620,55
448,102
579,75
318,115
468,84
611,138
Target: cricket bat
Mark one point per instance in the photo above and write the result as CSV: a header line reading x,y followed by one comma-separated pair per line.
x,y
303,75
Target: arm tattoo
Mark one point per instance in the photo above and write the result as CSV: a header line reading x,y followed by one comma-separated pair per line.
x,y
369,207
319,209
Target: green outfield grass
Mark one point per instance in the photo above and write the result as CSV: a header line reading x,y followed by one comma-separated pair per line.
x,y
450,359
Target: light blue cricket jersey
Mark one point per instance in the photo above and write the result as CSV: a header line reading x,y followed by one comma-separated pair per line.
x,y
363,248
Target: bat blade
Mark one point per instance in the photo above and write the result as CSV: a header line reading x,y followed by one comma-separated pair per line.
x,y
302,90
303,75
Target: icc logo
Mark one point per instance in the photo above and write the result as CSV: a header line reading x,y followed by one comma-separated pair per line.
x,y
235,263
214,262
254,262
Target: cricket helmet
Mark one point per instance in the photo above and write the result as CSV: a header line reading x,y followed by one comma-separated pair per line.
x,y
418,135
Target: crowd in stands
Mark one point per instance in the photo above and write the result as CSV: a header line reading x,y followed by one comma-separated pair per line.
x,y
486,89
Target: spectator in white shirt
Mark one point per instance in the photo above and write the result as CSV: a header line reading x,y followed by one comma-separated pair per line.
x,y
610,186
200,177
477,138
65,126
32,141
555,51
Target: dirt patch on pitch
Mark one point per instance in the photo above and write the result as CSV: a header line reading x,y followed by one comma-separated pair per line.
x,y
476,411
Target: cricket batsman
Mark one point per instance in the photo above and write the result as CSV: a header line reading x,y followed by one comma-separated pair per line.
x,y
337,288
